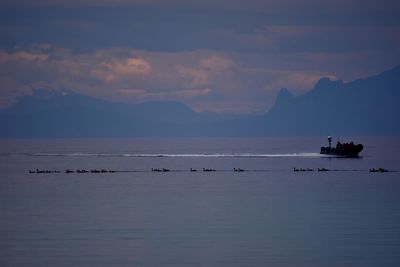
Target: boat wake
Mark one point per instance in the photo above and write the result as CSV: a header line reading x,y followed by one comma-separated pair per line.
x,y
156,155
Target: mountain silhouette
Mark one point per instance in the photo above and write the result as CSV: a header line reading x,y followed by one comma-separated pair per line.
x,y
367,106
49,113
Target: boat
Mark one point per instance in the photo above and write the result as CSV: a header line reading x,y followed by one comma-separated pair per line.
x,y
342,149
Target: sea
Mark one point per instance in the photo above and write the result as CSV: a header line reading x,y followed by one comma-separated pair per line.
x,y
136,202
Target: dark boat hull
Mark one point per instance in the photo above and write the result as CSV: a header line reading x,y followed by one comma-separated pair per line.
x,y
345,151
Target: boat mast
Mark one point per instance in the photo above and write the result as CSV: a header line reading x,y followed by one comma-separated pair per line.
x,y
330,141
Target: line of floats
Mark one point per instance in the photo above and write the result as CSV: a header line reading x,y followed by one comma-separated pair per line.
x,y
82,171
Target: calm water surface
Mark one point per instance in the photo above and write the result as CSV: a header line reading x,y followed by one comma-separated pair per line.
x,y
267,215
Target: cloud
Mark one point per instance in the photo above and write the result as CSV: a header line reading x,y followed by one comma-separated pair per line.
x,y
279,5
204,79
22,55
216,64
120,68
132,75
262,27
207,68
142,94
196,76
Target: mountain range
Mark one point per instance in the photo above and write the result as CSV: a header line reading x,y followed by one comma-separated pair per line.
x,y
367,106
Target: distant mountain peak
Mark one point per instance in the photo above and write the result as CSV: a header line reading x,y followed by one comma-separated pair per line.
x,y
44,93
391,74
326,83
284,95
283,99
335,106
394,69
48,93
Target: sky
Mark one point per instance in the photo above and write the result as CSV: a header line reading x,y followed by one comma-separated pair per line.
x,y
213,55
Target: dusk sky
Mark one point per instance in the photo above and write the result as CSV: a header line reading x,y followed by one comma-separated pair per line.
x,y
214,55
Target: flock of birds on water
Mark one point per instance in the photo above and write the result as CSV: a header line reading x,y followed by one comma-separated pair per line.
x,y
325,170
113,171
81,171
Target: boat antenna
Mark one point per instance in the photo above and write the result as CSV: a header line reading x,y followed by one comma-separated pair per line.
x,y
330,141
